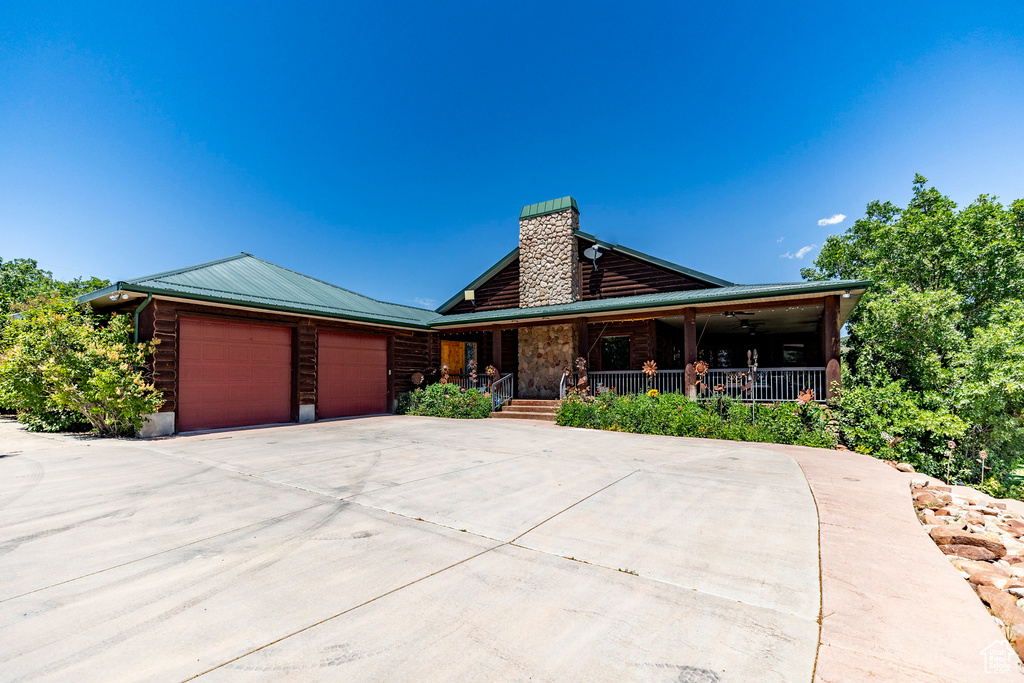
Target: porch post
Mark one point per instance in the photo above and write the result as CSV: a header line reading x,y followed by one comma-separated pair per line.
x,y
583,341
830,341
690,351
496,349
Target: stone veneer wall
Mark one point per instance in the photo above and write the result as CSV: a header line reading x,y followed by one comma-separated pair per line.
x,y
544,352
548,260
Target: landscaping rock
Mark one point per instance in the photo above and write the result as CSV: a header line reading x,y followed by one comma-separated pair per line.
x,y
905,467
1003,606
970,552
952,537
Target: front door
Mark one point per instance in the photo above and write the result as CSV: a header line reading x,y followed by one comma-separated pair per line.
x,y
457,356
453,354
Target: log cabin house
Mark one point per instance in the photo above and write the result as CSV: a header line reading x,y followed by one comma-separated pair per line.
x,y
245,342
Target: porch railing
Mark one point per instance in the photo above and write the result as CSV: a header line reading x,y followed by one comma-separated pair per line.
x,y
479,381
501,391
769,384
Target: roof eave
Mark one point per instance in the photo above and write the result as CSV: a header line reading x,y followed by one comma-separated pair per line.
x,y
128,287
858,286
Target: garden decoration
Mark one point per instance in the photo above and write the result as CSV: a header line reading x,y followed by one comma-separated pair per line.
x,y
583,383
982,456
701,369
471,366
805,397
444,375
418,379
650,369
492,376
948,455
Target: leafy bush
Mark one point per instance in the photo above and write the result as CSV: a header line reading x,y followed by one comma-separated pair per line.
x,y
59,360
676,415
445,400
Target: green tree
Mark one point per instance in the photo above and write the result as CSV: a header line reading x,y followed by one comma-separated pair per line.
x,y
22,280
58,358
935,351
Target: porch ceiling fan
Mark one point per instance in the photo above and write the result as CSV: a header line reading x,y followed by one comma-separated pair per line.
x,y
733,314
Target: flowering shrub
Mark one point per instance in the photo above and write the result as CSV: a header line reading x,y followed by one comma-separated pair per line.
x,y
445,400
674,414
61,367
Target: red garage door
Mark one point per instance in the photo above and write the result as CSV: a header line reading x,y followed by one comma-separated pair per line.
x,y
233,374
352,374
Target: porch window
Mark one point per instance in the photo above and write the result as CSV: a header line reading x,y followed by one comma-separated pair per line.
x,y
794,354
615,353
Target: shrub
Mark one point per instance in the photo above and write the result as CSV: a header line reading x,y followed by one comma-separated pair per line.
x,y
676,415
59,361
445,400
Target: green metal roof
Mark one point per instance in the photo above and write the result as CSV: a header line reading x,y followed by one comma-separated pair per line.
x,y
550,206
689,297
249,281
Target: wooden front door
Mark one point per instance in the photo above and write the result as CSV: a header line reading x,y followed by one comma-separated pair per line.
x,y
457,355
453,354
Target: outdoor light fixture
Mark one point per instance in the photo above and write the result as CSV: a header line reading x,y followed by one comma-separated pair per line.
x,y
115,296
125,297
846,294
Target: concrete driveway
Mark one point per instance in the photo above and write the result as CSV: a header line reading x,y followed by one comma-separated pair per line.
x,y
402,548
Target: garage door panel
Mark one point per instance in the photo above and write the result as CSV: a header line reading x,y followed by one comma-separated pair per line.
x,y
233,374
352,374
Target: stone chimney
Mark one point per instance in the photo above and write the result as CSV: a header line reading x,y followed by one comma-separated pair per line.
x,y
549,270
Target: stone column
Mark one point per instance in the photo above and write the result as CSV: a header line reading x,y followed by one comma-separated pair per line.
x,y
548,258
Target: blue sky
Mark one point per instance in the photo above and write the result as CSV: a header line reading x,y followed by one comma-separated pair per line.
x,y
388,147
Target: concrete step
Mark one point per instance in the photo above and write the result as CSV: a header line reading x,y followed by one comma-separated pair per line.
x,y
544,410
512,414
550,403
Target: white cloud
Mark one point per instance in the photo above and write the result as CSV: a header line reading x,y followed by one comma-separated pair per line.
x,y
779,240
425,303
800,253
835,219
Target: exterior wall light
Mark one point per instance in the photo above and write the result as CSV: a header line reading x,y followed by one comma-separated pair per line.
x,y
846,294
115,296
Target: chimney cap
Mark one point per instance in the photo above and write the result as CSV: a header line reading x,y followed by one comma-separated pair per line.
x,y
550,206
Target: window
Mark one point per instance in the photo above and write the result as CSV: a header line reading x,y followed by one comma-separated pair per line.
x,y
793,354
615,353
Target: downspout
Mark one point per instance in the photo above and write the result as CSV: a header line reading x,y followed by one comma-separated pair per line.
x,y
138,310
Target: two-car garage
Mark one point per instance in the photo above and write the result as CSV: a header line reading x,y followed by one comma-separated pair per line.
x,y
236,373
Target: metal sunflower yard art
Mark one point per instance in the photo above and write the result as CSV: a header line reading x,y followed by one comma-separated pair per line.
x,y
444,375
701,369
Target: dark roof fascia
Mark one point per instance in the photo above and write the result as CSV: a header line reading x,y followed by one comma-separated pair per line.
x,y
128,287
487,275
99,293
631,303
654,260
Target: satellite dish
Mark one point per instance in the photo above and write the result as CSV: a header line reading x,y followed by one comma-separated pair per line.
x,y
593,253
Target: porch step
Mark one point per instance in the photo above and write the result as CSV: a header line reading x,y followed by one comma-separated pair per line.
x,y
529,409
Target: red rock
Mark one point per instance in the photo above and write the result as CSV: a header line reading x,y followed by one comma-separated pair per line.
x,y
943,512
944,497
988,511
948,536
975,518
1003,605
931,519
923,498
905,467
943,489
970,552
990,578
998,506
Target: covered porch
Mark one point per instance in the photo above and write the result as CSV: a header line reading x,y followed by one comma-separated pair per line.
x,y
764,350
